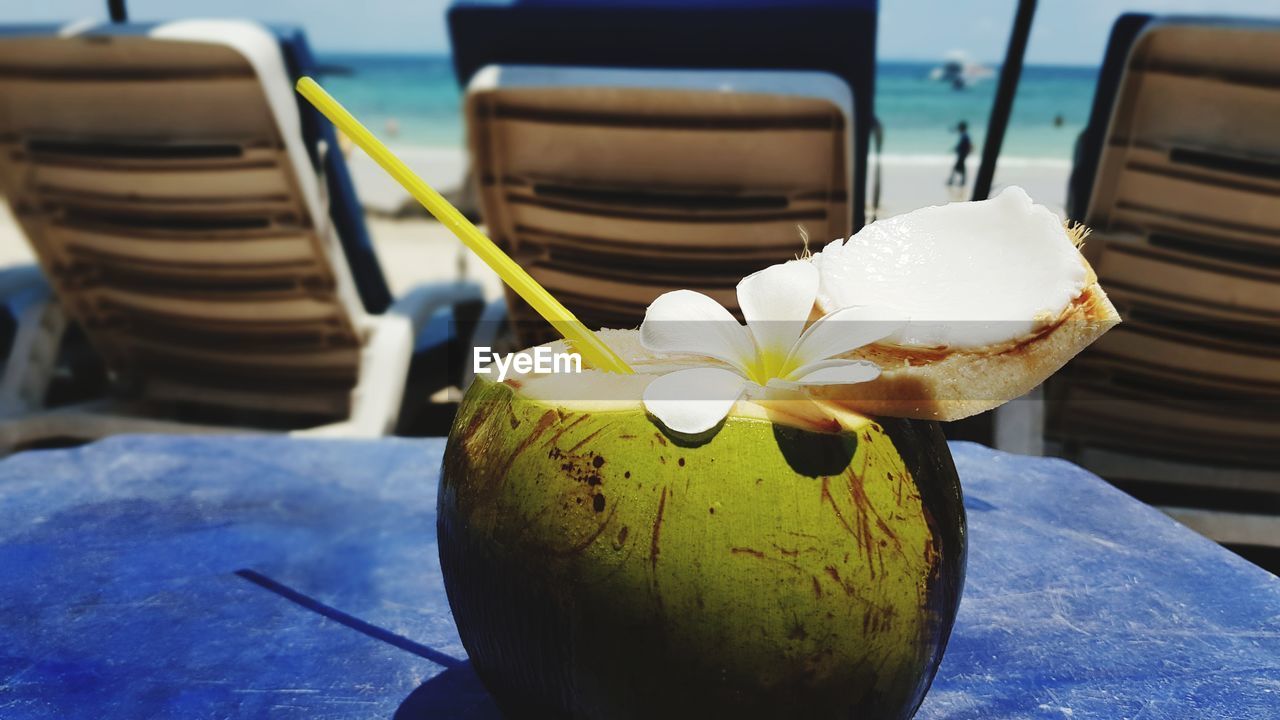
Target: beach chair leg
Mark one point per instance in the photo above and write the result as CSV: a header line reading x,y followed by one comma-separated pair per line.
x,y
432,370
492,330
1019,425
34,355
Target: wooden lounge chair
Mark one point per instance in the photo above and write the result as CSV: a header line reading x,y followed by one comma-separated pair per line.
x,y
614,186
717,170
200,227
1181,403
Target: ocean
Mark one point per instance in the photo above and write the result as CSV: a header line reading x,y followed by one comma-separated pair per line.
x,y
418,95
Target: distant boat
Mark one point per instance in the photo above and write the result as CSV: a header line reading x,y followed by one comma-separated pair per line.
x,y
959,70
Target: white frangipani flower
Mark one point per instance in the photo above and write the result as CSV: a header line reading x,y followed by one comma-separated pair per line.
x,y
774,350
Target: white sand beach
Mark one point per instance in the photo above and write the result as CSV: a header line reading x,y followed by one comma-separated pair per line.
x,y
414,249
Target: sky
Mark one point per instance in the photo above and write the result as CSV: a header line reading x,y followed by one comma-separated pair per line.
x,y
1066,32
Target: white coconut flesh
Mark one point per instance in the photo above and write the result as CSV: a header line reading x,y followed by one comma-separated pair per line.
x,y
968,275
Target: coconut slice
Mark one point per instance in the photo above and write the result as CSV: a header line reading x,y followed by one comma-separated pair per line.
x,y
997,294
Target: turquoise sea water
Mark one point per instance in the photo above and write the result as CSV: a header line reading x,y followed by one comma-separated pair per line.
x,y
420,96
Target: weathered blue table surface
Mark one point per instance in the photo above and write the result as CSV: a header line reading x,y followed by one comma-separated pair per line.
x,y
147,577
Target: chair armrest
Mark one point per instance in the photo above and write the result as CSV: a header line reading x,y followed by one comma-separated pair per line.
x,y
22,284
421,303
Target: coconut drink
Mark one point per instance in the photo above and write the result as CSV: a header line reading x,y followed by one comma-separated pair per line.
x,y
601,567
761,520
714,520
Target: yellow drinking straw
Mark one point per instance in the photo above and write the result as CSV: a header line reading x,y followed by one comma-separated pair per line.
x,y
579,336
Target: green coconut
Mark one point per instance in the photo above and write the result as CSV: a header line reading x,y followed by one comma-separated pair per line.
x,y
798,565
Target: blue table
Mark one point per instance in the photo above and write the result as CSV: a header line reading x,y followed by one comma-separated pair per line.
x,y
148,577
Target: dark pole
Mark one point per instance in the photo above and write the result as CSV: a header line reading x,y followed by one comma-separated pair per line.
x,y
117,11
1000,109
981,428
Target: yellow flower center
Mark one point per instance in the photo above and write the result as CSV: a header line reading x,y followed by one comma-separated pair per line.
x,y
769,363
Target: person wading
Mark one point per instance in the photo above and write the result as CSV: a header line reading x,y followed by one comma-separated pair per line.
x,y
962,150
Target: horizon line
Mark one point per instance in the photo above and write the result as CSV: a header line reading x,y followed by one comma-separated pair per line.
x,y
918,61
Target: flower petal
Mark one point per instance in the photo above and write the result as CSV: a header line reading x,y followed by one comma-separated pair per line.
x,y
834,372
693,401
840,332
685,321
776,303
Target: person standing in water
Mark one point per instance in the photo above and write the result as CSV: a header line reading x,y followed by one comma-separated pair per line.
x,y
962,150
